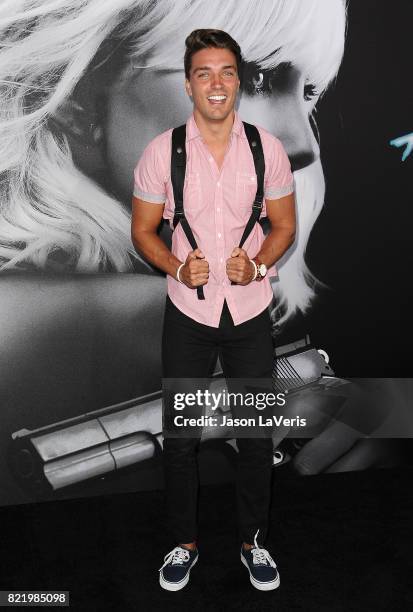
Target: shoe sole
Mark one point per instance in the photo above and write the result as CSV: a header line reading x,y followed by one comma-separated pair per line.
x,y
175,586
262,586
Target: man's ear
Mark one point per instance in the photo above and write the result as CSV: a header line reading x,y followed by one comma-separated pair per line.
x,y
78,122
188,88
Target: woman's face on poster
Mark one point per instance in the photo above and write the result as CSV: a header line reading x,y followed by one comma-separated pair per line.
x,y
143,102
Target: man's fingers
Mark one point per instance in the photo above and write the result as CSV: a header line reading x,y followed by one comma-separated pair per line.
x,y
235,276
239,268
199,279
197,265
238,252
196,271
199,274
236,264
196,254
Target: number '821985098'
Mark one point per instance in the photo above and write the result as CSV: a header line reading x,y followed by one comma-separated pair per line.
x,y
34,598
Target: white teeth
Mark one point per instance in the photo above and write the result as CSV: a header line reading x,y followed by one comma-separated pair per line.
x,y
217,97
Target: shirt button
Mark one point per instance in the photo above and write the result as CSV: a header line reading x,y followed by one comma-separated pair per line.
x,y
210,159
218,184
218,209
221,260
219,235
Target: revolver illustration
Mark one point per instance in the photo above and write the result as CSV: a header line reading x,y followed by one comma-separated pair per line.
x,y
107,440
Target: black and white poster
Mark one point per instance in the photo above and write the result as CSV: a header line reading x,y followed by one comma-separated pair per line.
x,y
85,85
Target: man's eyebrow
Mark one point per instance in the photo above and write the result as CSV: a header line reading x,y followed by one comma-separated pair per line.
x,y
209,67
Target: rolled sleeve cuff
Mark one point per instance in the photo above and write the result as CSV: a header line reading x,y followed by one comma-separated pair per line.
x,y
148,197
273,193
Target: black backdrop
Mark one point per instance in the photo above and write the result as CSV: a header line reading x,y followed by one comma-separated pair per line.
x,y
361,244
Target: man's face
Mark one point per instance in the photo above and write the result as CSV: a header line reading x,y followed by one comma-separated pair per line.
x,y
213,83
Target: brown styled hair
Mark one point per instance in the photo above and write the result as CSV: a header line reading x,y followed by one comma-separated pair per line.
x,y
203,39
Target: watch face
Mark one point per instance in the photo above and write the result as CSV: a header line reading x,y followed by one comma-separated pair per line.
x,y
262,268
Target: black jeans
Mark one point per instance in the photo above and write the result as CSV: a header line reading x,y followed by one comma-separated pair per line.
x,y
190,350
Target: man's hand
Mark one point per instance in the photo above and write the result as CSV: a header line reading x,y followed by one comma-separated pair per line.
x,y
195,272
240,270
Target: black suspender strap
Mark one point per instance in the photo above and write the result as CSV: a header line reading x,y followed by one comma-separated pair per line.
x,y
178,167
254,141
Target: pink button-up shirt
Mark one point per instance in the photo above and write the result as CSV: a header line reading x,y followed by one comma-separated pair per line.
x,y
217,204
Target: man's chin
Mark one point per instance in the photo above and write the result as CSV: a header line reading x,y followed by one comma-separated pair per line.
x,y
217,114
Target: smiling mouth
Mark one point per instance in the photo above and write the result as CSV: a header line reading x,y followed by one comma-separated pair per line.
x,y
217,99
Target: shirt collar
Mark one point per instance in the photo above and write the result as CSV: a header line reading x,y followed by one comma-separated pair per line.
x,y
192,130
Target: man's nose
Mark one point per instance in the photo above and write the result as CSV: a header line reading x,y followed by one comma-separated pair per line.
x,y
284,116
216,81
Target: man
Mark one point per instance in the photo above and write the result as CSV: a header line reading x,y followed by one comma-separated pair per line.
x,y
233,319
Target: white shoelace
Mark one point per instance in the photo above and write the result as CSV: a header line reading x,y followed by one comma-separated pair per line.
x,y
261,556
177,556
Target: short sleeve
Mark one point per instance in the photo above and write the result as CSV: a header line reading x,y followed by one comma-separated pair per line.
x,y
279,181
150,173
